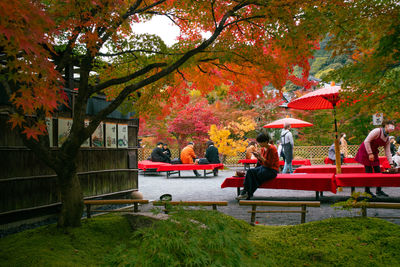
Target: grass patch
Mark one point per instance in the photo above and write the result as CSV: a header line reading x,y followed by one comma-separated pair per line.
x,y
205,238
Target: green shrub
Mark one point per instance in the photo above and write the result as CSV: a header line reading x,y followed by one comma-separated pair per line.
x,y
187,238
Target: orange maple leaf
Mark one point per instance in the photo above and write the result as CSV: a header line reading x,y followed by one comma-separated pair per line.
x,y
32,133
16,119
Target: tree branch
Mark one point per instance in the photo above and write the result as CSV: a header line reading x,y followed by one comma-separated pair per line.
x,y
127,78
168,70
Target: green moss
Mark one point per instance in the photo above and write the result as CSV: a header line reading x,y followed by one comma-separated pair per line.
x,y
205,238
332,242
50,246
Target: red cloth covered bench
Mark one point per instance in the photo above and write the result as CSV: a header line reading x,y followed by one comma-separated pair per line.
x,y
356,168
368,179
382,160
150,165
177,168
313,182
247,162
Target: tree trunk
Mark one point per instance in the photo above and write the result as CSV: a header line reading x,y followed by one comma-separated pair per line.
x,y
71,199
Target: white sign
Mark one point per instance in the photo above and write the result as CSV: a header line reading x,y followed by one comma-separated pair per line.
x,y
49,124
377,119
64,127
122,135
111,135
98,136
86,143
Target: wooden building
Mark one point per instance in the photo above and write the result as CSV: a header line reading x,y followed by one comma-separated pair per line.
x,y
107,164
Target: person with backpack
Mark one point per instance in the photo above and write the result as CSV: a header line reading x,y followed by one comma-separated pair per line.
x,y
287,144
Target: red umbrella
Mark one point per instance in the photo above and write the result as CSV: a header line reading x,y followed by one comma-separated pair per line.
x,y
294,123
324,98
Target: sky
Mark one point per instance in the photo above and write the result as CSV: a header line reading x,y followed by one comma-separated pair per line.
x,y
161,26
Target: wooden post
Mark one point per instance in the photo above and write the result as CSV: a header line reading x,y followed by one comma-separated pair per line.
x,y
253,214
165,208
364,211
88,211
303,213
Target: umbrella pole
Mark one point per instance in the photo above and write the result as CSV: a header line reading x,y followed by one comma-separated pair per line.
x,y
337,145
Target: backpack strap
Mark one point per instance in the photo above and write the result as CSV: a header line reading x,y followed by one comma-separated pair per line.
x,y
283,138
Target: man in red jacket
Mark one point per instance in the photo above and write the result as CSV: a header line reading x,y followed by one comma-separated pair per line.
x,y
269,167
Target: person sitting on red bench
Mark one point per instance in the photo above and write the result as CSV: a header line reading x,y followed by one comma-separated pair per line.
x,y
269,168
189,157
157,154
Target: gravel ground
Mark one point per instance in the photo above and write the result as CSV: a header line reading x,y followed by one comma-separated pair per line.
x,y
209,189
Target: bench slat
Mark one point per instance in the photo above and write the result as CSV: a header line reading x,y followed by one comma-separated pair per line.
x,y
114,201
191,203
276,211
280,203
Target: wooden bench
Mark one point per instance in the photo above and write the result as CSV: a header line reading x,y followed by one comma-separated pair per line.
x,y
135,203
318,182
302,204
177,168
214,204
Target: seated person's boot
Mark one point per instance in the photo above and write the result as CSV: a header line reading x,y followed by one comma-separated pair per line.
x,y
368,191
380,193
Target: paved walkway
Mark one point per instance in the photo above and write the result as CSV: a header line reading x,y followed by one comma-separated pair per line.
x,y
209,189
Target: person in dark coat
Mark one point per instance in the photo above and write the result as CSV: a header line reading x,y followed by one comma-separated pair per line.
x,y
157,154
166,151
212,155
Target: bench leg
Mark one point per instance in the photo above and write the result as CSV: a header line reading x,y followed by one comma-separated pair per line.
x,y
303,213
316,195
214,206
238,191
88,215
253,214
135,207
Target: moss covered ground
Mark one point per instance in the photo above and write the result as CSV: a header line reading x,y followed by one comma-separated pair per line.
x,y
205,238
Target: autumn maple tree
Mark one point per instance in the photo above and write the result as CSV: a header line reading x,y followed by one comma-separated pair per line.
x,y
193,123
248,45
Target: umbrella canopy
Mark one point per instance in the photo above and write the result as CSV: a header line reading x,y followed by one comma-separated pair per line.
x,y
324,98
294,123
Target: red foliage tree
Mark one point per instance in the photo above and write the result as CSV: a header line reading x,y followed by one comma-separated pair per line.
x,y
193,123
249,44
